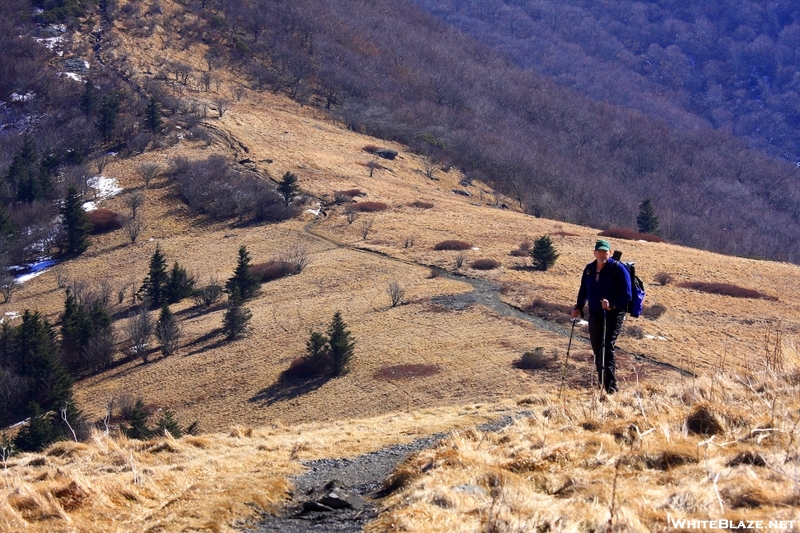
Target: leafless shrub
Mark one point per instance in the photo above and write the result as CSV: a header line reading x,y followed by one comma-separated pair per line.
x,y
205,80
8,286
396,293
430,170
239,92
61,276
421,205
103,221
133,228
373,166
460,258
222,106
725,289
408,242
629,234
295,259
654,311
208,294
370,207
101,160
139,329
349,194
633,331
453,245
664,278
549,311
148,172
524,249
168,333
485,264
350,214
366,227
371,148
134,200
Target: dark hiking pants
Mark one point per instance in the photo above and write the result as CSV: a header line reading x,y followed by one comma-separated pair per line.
x,y
613,326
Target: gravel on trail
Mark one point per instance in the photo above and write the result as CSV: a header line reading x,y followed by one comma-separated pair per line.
x,y
364,475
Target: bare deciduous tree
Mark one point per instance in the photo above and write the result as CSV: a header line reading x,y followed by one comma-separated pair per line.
x,y
148,172
396,293
222,106
8,286
134,201
350,213
133,227
139,329
295,259
366,227
460,258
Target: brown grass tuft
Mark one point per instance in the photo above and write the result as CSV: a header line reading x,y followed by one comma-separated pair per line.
x,y
453,245
726,289
351,193
272,270
484,264
549,311
702,421
653,312
409,371
370,207
421,205
629,234
563,234
371,148
747,457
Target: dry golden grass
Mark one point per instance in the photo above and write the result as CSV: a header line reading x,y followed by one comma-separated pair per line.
x,y
195,483
627,462
220,384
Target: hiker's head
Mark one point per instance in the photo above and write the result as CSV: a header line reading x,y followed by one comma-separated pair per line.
x,y
602,250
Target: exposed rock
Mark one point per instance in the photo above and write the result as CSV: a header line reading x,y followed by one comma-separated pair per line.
x,y
76,64
462,192
387,154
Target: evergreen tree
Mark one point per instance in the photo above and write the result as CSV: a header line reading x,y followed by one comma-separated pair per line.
x,y
75,224
341,346
76,331
646,220
25,176
543,253
180,284
152,116
243,281
236,318
167,423
136,427
288,188
107,118
154,285
89,98
168,331
39,433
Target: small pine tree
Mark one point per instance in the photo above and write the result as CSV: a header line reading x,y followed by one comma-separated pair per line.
x,y
136,427
243,281
180,284
107,119
543,253
168,331
76,331
89,98
646,220
154,285
75,224
288,188
39,433
236,318
152,116
167,423
340,345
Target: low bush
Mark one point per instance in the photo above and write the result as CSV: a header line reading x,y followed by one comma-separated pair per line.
x,y
370,207
534,360
725,289
421,205
653,311
350,193
272,270
549,311
524,249
371,148
307,367
633,331
630,235
664,278
484,264
453,245
103,221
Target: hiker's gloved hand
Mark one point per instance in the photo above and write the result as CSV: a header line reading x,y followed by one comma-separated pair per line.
x,y
577,312
606,305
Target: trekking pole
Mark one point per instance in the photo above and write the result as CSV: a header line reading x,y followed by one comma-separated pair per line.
x,y
603,372
566,360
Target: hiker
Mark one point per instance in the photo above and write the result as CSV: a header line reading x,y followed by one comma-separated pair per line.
x,y
606,285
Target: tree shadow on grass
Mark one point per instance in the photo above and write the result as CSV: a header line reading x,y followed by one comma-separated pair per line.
x,y
201,341
289,388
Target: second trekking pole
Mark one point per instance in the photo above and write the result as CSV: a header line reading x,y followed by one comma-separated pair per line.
x,y
566,360
603,372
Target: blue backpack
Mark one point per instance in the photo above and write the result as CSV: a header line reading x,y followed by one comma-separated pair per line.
x,y
637,287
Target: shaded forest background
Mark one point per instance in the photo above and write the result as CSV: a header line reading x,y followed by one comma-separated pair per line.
x,y
392,70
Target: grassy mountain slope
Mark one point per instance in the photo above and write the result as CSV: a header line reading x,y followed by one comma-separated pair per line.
x,y
467,350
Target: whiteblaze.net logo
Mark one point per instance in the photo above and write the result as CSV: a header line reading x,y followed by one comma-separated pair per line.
x,y
724,523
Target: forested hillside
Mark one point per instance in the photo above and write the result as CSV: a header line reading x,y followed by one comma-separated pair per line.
x,y
393,71
733,64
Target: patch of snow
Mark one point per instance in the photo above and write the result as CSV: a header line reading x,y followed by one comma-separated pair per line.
x,y
475,248
37,268
105,187
582,323
52,43
72,76
9,316
316,211
654,338
16,97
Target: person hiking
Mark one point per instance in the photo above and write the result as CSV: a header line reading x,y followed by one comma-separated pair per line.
x,y
606,285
